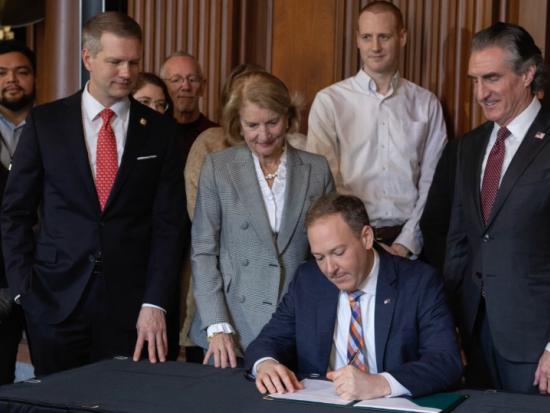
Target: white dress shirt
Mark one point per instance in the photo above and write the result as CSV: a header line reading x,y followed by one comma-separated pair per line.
x,y
274,199
383,149
92,122
339,353
518,129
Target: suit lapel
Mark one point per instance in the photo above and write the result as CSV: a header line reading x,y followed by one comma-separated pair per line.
x,y
385,305
327,310
296,191
138,131
76,142
527,151
244,178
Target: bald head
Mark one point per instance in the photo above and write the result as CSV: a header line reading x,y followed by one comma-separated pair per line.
x,y
183,76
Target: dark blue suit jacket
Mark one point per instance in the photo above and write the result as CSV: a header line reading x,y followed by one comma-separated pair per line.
x,y
138,235
415,335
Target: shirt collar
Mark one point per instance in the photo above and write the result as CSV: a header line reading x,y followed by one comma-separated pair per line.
x,y
368,286
92,108
521,123
9,124
368,85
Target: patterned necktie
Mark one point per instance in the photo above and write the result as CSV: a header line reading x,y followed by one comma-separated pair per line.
x,y
106,158
491,177
356,342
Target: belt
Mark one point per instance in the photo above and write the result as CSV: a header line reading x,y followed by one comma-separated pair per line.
x,y
387,235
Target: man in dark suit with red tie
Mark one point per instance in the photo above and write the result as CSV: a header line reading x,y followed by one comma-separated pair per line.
x,y
497,267
102,174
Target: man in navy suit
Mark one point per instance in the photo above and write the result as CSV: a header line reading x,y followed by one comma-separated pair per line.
x,y
98,273
399,339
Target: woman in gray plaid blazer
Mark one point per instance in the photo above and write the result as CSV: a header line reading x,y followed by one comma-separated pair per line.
x,y
248,233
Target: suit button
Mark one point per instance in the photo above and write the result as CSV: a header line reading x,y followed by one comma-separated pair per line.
x,y
486,238
241,299
245,262
244,225
91,258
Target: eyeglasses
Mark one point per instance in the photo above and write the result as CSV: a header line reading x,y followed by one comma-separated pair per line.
x,y
158,105
176,80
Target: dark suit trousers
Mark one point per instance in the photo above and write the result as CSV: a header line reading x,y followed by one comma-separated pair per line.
x,y
488,369
89,334
11,331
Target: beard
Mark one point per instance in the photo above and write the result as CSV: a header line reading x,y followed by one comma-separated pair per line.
x,y
16,105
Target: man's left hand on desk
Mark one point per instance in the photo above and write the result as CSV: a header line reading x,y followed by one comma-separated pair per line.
x,y
354,384
151,327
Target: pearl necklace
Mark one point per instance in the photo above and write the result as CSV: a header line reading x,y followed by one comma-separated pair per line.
x,y
271,177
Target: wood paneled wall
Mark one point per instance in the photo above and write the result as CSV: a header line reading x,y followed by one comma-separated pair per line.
x,y
307,43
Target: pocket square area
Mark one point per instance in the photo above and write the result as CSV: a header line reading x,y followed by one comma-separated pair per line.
x,y
143,158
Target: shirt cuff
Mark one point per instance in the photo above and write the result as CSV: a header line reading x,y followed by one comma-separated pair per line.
x,y
397,389
409,239
260,361
548,347
153,306
219,328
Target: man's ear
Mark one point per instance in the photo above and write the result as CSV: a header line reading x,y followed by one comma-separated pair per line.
x,y
86,57
403,37
529,75
367,237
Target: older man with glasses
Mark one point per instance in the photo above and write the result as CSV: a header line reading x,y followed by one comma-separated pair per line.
x,y
183,76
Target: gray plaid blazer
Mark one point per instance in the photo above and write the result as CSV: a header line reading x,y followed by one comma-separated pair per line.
x,y
240,270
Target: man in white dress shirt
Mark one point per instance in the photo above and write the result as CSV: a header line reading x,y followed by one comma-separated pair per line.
x,y
381,134
375,324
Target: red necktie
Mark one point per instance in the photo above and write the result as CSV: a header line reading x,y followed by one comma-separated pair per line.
x,y
491,177
106,165
356,342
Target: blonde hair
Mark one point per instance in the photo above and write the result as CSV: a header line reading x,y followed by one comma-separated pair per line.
x,y
266,91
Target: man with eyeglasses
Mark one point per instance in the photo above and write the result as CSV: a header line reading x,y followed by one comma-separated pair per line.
x,y
183,76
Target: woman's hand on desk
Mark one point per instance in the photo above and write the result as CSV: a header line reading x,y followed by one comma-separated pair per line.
x,y
222,347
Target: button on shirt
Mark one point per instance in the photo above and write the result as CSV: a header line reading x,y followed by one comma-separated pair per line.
x,y
10,138
383,149
338,355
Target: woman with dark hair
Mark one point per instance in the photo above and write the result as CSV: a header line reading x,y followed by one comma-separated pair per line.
x,y
151,91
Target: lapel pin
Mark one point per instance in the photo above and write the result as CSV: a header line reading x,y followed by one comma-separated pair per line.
x,y
9,167
387,301
539,135
143,121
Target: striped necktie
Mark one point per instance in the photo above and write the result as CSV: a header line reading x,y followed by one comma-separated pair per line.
x,y
356,342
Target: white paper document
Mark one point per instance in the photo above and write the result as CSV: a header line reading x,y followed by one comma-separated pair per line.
x,y
315,391
396,403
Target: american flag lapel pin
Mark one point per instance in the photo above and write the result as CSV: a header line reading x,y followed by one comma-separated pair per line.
x,y
143,121
539,135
